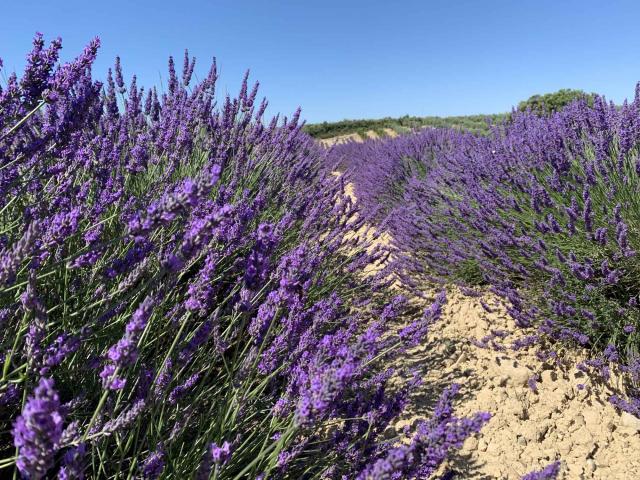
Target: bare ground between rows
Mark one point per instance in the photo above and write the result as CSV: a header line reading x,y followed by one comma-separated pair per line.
x,y
528,429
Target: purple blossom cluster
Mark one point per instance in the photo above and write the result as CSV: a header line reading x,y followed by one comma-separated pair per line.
x,y
181,291
550,472
38,430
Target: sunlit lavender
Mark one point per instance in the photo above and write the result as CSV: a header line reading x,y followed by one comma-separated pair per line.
x,y
178,277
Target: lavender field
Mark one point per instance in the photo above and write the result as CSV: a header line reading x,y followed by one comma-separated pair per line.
x,y
191,289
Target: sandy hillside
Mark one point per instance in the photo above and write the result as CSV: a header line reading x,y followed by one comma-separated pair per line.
x,y
528,429
329,142
355,137
390,132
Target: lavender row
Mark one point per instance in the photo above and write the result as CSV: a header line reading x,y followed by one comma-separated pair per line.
x,y
180,291
544,211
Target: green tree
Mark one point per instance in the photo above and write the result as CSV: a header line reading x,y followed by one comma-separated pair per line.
x,y
553,102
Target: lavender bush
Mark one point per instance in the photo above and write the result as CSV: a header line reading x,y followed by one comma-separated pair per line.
x,y
543,211
179,297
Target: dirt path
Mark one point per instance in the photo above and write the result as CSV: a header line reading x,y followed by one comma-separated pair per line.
x,y
528,429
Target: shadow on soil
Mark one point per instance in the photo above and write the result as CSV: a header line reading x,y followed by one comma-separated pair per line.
x,y
440,355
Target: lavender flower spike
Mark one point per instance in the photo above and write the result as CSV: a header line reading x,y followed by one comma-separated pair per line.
x,y
153,465
74,464
37,431
550,472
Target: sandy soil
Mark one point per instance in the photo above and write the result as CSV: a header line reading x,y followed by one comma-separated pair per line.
x,y
329,142
355,137
528,429
372,134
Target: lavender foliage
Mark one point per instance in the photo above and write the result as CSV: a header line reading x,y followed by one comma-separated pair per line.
x,y
185,270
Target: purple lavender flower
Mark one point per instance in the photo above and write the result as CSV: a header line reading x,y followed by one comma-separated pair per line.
x,y
550,472
119,78
413,334
164,378
10,396
124,353
153,465
187,68
220,454
101,176
183,389
214,456
37,431
63,346
621,235
611,353
74,463
126,417
32,304
10,259
600,236
40,63
587,212
69,74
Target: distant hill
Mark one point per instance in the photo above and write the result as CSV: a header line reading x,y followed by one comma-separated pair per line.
x,y
541,104
381,127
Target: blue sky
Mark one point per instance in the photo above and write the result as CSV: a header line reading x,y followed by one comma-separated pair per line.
x,y
353,58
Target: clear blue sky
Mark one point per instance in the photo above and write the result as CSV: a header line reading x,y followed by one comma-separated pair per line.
x,y
357,58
